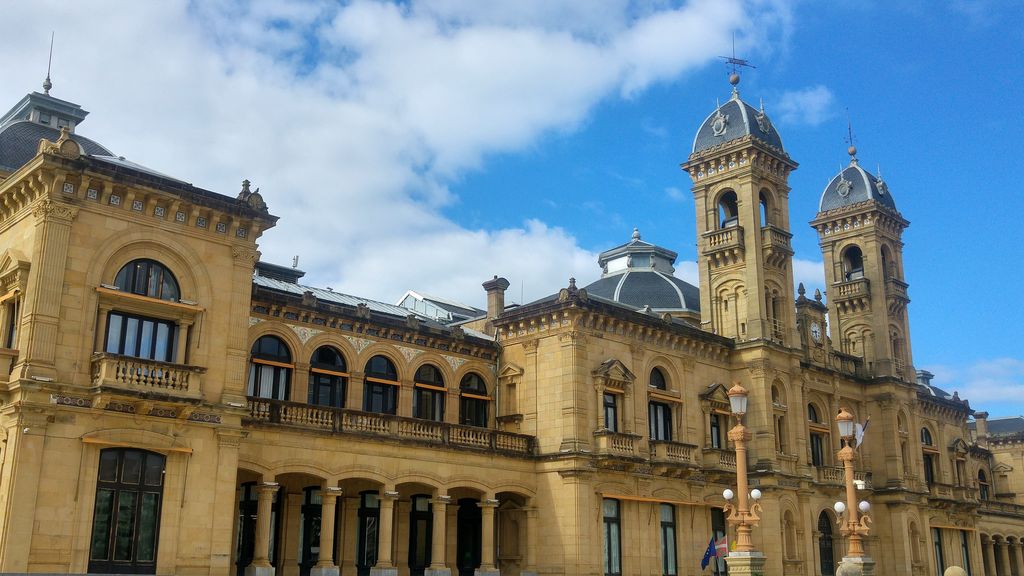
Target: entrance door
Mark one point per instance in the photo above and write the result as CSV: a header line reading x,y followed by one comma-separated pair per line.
x,y
369,532
827,562
311,513
468,539
421,525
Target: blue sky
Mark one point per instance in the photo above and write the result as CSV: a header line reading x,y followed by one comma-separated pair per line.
x,y
433,143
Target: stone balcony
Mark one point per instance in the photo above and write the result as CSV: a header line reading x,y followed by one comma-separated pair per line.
x,y
724,246
716,459
343,421
851,295
775,245
835,475
666,451
140,377
7,359
616,444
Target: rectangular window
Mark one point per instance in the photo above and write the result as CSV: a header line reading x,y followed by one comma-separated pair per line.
x,y
817,450
612,538
716,431
929,469
611,412
44,118
473,412
659,417
141,337
428,404
965,550
940,562
11,332
668,540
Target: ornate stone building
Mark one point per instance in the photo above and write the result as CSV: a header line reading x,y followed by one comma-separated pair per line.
x,y
170,404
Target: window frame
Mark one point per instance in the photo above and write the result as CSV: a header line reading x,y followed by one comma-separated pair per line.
x,y
378,386
170,349
669,553
610,410
429,393
612,522
715,430
474,402
129,282
334,377
659,420
280,369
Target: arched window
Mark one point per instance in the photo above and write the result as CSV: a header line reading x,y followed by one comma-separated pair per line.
x,y
888,264
728,210
270,369
853,263
826,562
983,486
473,400
148,278
380,394
765,210
928,456
328,378
658,379
779,417
126,517
428,397
818,436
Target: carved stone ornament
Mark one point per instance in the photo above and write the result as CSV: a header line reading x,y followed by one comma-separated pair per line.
x,y
454,362
844,187
245,255
360,344
763,122
47,209
65,146
409,353
719,123
304,333
883,188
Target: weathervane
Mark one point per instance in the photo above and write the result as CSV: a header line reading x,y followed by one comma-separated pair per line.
x,y
852,149
46,83
734,63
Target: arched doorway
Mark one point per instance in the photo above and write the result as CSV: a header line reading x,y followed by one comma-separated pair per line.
x,y
468,540
825,558
421,526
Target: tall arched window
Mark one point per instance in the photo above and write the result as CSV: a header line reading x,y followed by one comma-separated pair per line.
x,y
270,369
888,264
826,562
983,487
818,433
428,398
328,378
928,456
473,400
853,263
728,210
148,278
380,394
765,210
126,515
659,413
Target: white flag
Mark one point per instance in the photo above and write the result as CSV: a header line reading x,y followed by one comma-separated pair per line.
x,y
858,432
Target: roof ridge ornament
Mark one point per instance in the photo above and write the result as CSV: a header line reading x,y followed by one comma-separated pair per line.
x,y
46,83
851,149
733,62
636,234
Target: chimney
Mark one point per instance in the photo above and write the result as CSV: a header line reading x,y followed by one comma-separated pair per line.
x,y
495,288
981,428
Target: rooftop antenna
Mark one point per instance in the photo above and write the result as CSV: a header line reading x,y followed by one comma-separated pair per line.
x,y
851,150
734,63
46,83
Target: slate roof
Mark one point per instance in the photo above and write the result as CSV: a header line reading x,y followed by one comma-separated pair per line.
x,y
736,119
19,142
638,288
854,185
1004,426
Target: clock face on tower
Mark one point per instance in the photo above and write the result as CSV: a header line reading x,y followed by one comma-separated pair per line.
x,y
816,332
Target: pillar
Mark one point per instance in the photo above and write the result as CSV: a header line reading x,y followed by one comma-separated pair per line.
x,y
261,554
349,535
225,502
1019,557
530,554
26,439
328,504
990,557
487,566
385,564
1004,558
439,538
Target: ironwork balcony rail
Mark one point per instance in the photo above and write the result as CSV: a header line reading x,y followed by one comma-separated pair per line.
x,y
146,376
347,421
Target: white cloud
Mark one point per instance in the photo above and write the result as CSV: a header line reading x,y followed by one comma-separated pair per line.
x,y
811,273
353,119
995,385
675,194
809,106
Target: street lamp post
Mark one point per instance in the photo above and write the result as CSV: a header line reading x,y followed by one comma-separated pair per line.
x,y
744,559
855,526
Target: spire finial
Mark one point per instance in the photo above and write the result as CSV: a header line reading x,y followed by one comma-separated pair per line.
x,y
46,83
636,234
733,62
851,150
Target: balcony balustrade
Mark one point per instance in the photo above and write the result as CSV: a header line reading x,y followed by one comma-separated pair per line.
x,y
619,444
775,243
141,376
7,359
836,476
672,452
724,246
716,459
386,426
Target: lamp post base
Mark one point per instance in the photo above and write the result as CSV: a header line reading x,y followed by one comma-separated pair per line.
x,y
745,563
856,566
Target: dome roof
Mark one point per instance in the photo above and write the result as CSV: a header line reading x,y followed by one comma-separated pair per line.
x,y
736,119
854,185
638,274
19,143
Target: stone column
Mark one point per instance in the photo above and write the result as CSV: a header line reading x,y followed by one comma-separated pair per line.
x,y
1019,557
990,556
530,553
356,382
225,501
385,564
349,535
1004,558
261,554
328,504
439,538
487,566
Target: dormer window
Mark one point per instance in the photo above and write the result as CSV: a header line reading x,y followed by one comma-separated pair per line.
x,y
853,264
63,123
728,210
44,118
